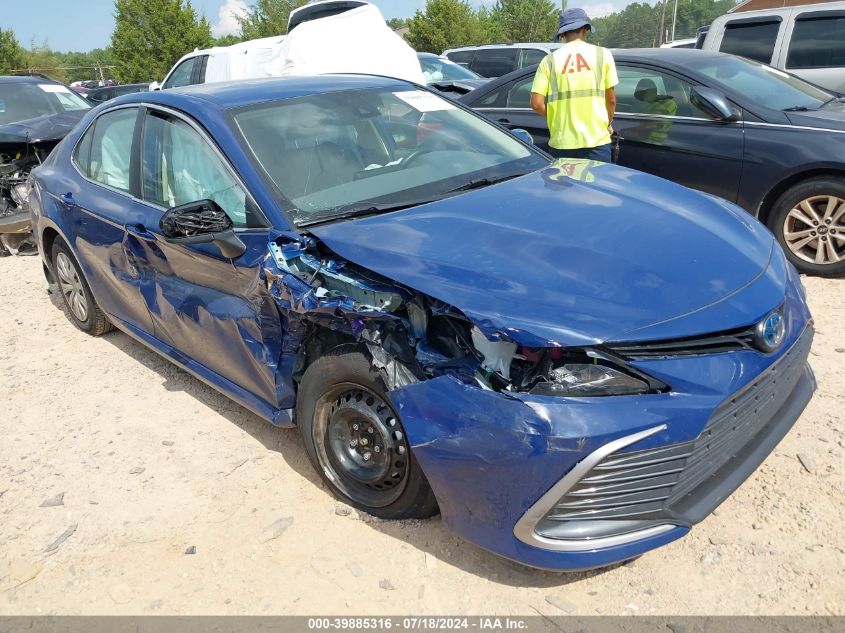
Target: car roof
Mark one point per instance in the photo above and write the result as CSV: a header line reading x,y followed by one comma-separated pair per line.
x,y
25,79
505,45
235,94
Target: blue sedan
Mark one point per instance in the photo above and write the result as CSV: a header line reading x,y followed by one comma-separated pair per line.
x,y
572,362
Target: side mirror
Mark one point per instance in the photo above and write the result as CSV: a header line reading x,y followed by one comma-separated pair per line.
x,y
202,222
155,86
523,135
713,103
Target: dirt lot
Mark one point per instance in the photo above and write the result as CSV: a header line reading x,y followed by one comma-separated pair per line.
x,y
153,465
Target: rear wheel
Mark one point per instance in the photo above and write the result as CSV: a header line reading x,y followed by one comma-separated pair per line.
x,y
356,440
82,308
809,222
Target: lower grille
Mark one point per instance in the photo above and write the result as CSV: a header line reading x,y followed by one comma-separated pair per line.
x,y
628,490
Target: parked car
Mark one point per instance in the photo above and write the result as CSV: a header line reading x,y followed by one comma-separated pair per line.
x,y
687,42
35,114
754,135
573,363
495,60
447,77
100,95
807,40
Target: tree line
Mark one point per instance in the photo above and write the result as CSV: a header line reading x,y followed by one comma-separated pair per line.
x,y
150,35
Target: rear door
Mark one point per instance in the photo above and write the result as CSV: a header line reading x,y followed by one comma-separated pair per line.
x,y
816,48
664,134
213,310
98,199
510,105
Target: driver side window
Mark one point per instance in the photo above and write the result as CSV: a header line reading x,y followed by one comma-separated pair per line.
x,y
182,76
650,91
179,166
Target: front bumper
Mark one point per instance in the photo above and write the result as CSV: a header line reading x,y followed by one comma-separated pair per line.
x,y
498,463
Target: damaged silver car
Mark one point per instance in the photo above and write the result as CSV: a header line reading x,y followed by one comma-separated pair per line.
x,y
35,115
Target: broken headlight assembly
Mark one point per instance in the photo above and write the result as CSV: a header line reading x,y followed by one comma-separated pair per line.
x,y
581,373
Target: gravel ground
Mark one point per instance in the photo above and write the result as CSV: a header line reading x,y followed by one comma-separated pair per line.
x,y
129,487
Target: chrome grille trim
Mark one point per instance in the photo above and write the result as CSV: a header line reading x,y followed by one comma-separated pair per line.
x,y
640,488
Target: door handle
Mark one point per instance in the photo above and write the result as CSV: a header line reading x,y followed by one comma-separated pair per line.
x,y
67,200
140,231
503,120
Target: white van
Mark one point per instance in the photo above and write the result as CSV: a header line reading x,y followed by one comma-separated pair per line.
x,y
807,40
246,60
330,36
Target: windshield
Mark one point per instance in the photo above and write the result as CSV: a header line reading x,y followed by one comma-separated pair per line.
x,y
344,153
21,101
763,84
437,69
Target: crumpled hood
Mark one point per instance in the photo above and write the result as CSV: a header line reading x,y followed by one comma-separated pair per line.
x,y
49,127
569,255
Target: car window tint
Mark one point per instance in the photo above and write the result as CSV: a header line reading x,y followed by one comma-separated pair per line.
x,y
111,148
649,91
464,58
182,75
818,43
755,40
494,62
179,166
532,57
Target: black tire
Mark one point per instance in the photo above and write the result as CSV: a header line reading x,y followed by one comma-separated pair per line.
x,y
74,289
821,231
341,390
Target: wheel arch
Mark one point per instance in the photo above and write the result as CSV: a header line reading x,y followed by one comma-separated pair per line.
x,y
766,206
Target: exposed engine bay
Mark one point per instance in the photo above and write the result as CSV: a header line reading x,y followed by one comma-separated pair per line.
x,y
16,161
412,337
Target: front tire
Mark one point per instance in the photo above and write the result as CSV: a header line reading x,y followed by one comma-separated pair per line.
x,y
356,440
81,306
809,223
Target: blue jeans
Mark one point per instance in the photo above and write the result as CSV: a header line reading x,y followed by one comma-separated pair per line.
x,y
600,153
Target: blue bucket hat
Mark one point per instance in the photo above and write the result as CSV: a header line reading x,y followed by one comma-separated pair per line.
x,y
572,20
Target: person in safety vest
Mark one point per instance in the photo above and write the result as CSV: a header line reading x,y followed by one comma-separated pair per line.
x,y
574,90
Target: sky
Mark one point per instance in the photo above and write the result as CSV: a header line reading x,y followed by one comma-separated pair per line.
x,y
82,25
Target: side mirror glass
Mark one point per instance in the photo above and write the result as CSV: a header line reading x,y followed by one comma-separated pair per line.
x,y
714,104
202,222
523,135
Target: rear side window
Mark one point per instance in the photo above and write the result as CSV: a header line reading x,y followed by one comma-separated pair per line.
x,y
532,57
818,43
182,75
110,148
494,62
464,58
516,94
754,40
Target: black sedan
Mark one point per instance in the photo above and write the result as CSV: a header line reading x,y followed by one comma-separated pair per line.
x,y
757,136
99,95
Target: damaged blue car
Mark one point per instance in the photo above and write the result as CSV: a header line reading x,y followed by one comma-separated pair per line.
x,y
571,362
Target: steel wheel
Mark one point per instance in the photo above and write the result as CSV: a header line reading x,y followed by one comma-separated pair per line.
x,y
814,230
360,445
71,287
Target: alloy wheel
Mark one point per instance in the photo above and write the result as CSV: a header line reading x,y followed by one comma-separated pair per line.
x,y
814,229
71,287
361,445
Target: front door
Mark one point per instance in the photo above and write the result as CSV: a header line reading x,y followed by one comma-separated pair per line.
x,y
213,310
665,134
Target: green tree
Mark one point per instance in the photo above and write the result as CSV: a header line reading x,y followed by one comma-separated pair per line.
x,y
151,35
11,53
445,24
525,20
267,18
